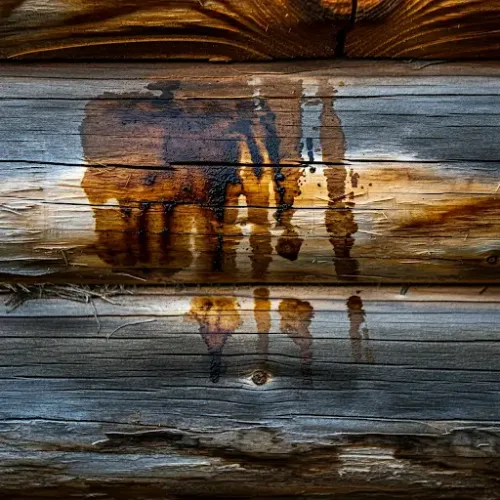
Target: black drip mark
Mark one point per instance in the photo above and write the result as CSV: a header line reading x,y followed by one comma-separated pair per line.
x,y
279,177
342,34
215,352
218,318
310,150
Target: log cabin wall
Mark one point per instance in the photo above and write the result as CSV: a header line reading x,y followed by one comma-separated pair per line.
x,y
258,280
376,173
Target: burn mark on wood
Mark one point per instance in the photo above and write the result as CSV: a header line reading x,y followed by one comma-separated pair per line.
x,y
296,316
218,318
358,331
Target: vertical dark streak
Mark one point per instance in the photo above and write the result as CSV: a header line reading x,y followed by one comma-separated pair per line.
x,y
218,318
262,314
287,177
361,351
257,190
342,34
142,232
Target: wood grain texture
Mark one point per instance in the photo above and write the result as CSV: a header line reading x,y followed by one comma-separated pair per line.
x,y
427,29
182,29
341,392
249,29
371,173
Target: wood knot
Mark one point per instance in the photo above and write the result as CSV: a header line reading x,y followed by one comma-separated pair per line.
x,y
492,259
260,377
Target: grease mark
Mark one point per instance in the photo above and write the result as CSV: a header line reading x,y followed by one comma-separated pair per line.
x,y
358,332
296,316
218,318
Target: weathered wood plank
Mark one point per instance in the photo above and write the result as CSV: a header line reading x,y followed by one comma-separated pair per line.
x,y
347,391
249,29
375,173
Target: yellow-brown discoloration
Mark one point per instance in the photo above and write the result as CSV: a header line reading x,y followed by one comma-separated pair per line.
x,y
218,318
457,214
296,316
167,215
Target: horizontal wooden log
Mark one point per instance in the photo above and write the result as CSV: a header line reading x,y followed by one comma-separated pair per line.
x,y
374,173
346,392
249,29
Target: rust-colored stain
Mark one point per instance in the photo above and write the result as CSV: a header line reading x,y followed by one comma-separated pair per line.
x,y
262,314
358,333
165,185
218,318
460,213
296,316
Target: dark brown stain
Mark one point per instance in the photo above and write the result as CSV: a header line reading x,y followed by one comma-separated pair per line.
x,y
339,217
296,316
358,333
262,314
173,169
158,210
354,176
218,318
289,177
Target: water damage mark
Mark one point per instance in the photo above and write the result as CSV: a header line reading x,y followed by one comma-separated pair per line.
x,y
358,331
218,318
166,175
296,316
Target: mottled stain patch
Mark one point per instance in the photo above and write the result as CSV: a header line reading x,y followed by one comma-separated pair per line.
x,y
358,331
165,185
157,211
218,318
296,316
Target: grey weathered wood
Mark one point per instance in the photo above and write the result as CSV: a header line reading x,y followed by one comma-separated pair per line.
x,y
422,138
112,395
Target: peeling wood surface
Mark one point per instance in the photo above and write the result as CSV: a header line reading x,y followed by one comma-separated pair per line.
x,y
316,173
288,391
249,29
